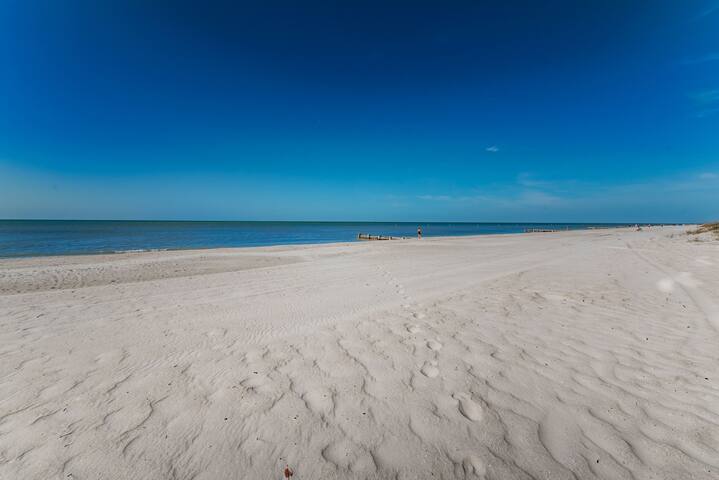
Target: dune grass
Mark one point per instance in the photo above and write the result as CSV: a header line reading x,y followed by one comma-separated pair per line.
x,y
706,228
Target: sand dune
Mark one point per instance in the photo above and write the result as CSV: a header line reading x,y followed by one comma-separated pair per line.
x,y
566,355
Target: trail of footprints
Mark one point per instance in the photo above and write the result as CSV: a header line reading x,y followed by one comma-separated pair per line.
x,y
466,406
430,368
341,392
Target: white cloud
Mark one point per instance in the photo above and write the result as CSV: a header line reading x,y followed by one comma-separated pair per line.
x,y
708,176
492,149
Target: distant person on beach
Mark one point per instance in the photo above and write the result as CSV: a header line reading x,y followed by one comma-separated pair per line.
x,y
419,232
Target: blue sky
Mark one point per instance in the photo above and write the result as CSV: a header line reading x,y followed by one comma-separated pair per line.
x,y
411,110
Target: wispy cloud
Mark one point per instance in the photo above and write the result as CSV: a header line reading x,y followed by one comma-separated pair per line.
x,y
709,57
709,11
526,179
506,198
534,199
492,149
539,199
707,102
706,96
708,112
442,198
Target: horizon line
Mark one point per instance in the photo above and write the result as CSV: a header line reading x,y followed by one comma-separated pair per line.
x,y
347,221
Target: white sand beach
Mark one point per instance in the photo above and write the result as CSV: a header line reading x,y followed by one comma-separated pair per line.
x,y
570,355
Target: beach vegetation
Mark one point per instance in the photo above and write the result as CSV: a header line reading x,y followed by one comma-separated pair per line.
x,y
712,227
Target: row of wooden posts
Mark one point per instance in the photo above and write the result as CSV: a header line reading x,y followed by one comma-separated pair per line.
x,y
367,236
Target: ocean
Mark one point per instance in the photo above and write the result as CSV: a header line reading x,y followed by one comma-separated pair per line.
x,y
22,238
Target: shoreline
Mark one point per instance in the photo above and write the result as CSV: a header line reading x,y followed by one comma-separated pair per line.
x,y
309,244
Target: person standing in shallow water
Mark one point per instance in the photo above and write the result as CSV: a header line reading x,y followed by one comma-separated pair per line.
x,y
419,232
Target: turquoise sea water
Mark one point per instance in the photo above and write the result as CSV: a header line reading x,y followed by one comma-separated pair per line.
x,y
61,237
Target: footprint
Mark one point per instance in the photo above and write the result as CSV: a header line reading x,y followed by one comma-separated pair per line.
x,y
338,454
468,407
414,329
257,383
429,369
419,315
432,345
319,401
345,455
473,466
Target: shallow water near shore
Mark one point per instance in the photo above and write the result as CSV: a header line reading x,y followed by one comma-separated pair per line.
x,y
21,238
